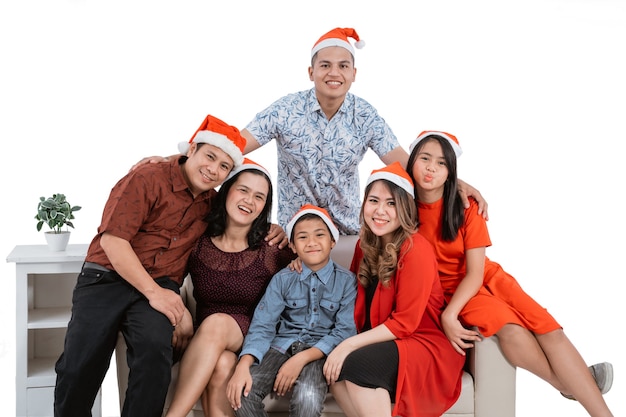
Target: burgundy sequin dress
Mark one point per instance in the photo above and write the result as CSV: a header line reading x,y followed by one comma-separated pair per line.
x,y
233,282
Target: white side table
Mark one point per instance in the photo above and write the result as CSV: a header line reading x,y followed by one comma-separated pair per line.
x,y
44,284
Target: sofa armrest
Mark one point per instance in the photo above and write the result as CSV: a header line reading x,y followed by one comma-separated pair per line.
x,y
494,380
186,293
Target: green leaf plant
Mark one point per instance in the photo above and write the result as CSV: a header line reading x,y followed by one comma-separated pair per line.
x,y
56,212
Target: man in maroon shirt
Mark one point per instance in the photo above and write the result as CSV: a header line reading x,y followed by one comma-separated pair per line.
x,y
133,270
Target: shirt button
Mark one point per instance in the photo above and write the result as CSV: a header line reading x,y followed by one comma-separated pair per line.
x,y
315,310
313,290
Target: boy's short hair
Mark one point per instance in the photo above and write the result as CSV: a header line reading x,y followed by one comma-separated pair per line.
x,y
309,211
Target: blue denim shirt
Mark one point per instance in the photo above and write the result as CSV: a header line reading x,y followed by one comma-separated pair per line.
x,y
317,310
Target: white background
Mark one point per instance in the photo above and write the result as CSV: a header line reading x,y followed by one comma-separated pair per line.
x,y
535,91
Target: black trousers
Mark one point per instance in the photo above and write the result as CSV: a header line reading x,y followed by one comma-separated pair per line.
x,y
103,304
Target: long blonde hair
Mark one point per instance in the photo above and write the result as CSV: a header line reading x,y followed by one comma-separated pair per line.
x,y
380,262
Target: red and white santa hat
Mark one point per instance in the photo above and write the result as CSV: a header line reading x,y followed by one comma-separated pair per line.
x,y
318,211
395,174
247,165
218,133
451,139
338,37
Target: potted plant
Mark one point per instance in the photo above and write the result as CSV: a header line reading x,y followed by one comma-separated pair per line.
x,y
57,213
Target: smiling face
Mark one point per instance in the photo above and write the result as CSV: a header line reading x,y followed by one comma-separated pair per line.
x,y
380,212
246,198
312,242
332,72
207,167
430,172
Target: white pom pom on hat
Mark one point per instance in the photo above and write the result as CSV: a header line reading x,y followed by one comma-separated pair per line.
x,y
338,37
318,211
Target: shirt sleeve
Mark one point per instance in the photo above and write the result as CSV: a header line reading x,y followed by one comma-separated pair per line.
x,y
475,232
128,206
266,314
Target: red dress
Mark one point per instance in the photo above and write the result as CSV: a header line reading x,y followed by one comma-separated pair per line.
x,y
500,300
233,282
429,369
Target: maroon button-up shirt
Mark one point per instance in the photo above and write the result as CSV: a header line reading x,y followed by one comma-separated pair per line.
x,y
153,209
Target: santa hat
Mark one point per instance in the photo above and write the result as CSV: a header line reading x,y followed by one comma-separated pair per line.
x,y
338,37
217,133
454,142
318,211
395,174
247,165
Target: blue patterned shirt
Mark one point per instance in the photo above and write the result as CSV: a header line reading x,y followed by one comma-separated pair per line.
x,y
318,159
316,309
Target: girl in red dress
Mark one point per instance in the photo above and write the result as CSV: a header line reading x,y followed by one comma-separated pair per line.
x,y
400,354
480,293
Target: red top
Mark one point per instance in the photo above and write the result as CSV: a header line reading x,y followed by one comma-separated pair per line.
x,y
429,369
501,300
153,209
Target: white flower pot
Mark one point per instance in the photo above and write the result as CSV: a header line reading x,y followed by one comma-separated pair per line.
x,y
57,242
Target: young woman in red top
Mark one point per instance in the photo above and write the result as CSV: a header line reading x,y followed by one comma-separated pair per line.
x,y
480,293
400,354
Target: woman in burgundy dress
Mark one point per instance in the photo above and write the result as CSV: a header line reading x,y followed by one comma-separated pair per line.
x,y
230,268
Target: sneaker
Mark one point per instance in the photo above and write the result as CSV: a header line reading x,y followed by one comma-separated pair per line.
x,y
603,374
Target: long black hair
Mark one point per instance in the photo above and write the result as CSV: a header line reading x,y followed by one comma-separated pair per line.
x,y
453,210
217,217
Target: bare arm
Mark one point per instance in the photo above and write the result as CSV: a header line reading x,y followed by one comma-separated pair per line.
x,y
153,160
459,336
398,154
127,265
251,142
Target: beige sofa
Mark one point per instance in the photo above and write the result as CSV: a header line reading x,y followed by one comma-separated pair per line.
x,y
488,383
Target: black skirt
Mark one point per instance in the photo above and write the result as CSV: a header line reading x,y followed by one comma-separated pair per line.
x,y
373,366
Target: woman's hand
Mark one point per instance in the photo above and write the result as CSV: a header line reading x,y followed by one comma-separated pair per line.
x,y
460,338
334,361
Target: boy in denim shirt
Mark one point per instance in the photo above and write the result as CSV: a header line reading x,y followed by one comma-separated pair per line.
x,y
300,319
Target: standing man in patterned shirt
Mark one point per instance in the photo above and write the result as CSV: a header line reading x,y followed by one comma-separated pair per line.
x,y
322,134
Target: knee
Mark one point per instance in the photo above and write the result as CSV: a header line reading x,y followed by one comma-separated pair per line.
x,y
308,397
151,355
511,331
223,369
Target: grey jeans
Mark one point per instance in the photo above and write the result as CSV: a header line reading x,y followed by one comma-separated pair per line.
x,y
309,391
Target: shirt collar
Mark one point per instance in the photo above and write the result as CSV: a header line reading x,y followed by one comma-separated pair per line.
x,y
323,274
315,107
